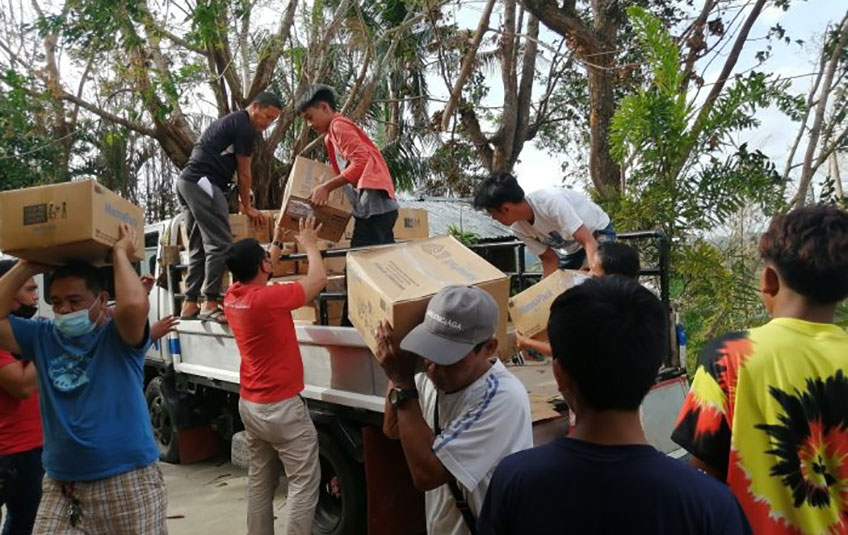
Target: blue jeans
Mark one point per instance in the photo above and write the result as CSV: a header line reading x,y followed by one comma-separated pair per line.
x,y
577,259
21,492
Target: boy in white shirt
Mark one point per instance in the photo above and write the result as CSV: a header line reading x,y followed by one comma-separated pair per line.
x,y
548,220
460,417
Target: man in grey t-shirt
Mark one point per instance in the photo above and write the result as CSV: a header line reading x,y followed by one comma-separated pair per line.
x,y
224,149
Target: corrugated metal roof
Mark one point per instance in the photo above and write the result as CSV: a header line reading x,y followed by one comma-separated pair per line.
x,y
458,212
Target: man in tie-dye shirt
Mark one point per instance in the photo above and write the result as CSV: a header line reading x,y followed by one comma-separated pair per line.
x,y
768,408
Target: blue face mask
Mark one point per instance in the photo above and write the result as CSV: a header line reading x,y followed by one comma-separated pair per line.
x,y
75,324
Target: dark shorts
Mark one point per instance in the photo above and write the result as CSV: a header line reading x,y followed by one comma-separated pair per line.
x,y
578,260
374,230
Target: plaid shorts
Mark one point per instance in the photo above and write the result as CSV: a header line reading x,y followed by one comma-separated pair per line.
x,y
132,503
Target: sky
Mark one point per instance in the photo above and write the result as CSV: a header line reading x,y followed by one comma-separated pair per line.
x,y
804,20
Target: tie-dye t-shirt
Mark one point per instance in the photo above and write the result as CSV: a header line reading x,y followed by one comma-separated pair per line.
x,y
769,408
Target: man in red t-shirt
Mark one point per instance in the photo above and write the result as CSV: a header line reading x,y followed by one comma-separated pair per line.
x,y
275,417
20,425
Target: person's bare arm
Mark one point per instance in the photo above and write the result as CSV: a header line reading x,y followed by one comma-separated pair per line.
x,y
131,304
10,283
416,436
390,422
316,277
523,342
550,262
18,379
321,193
584,236
243,168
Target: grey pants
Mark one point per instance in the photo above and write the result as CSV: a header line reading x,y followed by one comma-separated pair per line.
x,y
209,236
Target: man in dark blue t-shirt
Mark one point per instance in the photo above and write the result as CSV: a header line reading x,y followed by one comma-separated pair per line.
x,y
605,478
224,149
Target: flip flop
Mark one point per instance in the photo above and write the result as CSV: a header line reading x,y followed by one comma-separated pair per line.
x,y
216,315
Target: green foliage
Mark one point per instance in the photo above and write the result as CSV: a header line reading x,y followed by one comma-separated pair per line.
x,y
467,238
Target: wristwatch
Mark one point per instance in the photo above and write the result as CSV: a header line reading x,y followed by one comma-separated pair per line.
x,y
277,244
399,395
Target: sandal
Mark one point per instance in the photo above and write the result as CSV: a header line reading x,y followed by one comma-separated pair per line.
x,y
216,315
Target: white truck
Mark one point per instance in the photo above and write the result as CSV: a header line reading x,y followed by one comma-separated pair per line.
x,y
192,381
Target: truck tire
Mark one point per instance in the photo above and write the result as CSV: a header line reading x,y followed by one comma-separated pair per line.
x,y
341,499
164,430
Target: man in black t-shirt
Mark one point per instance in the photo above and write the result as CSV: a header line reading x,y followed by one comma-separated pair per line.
x,y
224,149
605,477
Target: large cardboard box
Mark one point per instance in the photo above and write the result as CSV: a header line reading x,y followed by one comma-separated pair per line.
x,y
305,175
332,266
396,283
531,309
311,312
63,222
242,228
411,224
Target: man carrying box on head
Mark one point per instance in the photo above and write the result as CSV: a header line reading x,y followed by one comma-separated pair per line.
x,y
99,452
460,417
548,220
225,148
359,167
279,429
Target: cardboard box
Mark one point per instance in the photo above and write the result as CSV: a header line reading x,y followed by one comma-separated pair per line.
x,y
530,310
63,222
311,313
335,265
242,228
396,283
305,175
336,284
411,224
285,268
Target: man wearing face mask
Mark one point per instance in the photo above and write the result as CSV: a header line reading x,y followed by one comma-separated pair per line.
x,y
99,452
20,424
460,417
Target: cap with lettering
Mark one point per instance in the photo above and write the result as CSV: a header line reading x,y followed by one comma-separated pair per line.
x,y
457,319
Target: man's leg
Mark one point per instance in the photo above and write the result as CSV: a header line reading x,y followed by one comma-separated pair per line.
x,y
263,474
297,446
573,261
196,255
53,517
22,504
374,230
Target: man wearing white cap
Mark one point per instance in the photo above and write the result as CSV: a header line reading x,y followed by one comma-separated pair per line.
x,y
460,417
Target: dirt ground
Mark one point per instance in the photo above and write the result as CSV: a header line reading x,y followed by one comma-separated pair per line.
x,y
211,498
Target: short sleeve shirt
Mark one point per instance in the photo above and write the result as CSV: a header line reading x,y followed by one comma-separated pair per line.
x,y
571,486
260,318
557,214
95,418
214,154
20,421
769,407
481,425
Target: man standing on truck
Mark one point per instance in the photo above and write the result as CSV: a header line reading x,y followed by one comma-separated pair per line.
x,y
767,413
460,417
276,420
609,338
547,221
20,424
99,452
224,149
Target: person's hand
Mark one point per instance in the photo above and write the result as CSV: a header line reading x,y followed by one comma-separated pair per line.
x,y
164,326
148,281
126,240
34,268
520,341
256,217
320,195
307,235
281,234
399,365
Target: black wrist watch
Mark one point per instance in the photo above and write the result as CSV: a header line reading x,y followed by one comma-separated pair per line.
x,y
399,395
277,244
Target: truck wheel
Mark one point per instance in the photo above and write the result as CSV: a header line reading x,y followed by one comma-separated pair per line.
x,y
164,431
341,500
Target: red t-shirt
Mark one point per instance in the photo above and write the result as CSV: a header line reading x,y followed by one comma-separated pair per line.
x,y
260,319
20,420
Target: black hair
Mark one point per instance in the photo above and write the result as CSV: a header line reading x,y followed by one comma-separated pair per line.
x,y
496,189
244,258
6,266
809,248
609,334
266,98
315,94
92,276
619,259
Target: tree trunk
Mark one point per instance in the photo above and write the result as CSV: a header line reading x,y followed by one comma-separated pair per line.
x,y
603,169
